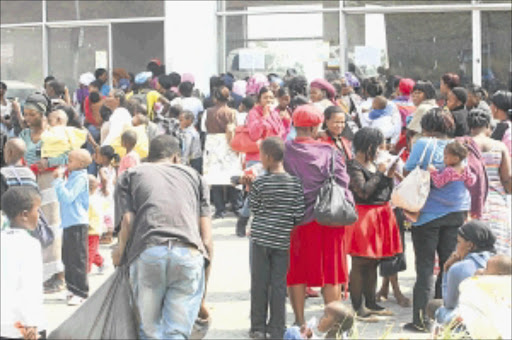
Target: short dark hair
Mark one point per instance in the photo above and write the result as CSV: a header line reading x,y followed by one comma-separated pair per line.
x,y
58,87
165,81
99,72
451,80
17,199
129,138
503,101
109,152
273,147
48,79
478,118
248,102
373,87
298,86
262,91
3,85
96,83
426,87
477,91
368,140
188,115
438,120
283,91
457,149
162,147
329,112
186,88
94,97
175,111
175,79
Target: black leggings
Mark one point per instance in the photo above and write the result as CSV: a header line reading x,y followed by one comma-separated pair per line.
x,y
363,282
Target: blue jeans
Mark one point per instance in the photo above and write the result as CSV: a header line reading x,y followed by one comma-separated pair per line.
x,y
168,284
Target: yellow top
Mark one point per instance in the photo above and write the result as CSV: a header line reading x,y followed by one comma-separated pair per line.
x,y
61,139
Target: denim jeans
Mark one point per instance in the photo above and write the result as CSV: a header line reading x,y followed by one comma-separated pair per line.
x,y
168,284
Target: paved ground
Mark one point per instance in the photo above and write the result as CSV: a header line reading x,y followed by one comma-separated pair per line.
x,y
228,293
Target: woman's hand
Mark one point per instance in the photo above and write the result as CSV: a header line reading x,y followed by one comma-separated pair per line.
x,y
266,110
42,164
454,258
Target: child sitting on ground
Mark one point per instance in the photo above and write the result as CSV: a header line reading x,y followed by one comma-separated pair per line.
x,y
277,202
60,138
95,223
131,158
106,157
73,197
22,267
336,323
191,148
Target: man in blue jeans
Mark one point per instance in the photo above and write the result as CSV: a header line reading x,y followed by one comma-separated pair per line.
x,y
166,219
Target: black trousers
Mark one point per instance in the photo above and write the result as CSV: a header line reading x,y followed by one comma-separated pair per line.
x,y
438,235
268,277
74,257
234,196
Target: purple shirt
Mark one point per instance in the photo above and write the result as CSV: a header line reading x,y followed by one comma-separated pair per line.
x,y
310,161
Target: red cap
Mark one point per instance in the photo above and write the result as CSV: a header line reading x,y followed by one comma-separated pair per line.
x,y
307,115
156,61
405,86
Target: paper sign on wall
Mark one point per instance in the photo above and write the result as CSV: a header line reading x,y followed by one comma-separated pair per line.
x,y
101,59
7,53
251,59
367,55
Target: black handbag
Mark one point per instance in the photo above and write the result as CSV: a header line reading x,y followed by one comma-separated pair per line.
x,y
43,232
332,207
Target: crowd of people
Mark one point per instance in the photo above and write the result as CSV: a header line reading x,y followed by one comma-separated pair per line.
x,y
138,162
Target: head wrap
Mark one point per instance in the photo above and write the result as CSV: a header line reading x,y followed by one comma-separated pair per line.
x,y
323,84
239,87
188,77
86,78
277,80
461,94
38,102
307,115
156,61
255,83
405,86
123,84
352,80
479,234
143,77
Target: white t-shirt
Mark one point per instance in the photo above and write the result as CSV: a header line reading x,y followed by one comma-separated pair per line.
x,y
191,104
21,282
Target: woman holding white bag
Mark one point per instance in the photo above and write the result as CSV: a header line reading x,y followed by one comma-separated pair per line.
x,y
445,210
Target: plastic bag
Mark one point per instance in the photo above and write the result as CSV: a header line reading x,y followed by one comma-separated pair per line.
x,y
110,313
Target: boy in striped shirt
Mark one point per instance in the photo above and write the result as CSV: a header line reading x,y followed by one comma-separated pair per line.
x,y
277,202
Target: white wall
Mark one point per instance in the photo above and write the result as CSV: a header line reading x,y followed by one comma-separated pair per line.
x,y
191,39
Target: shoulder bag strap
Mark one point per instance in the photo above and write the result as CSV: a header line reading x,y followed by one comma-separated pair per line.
x,y
433,151
424,152
333,163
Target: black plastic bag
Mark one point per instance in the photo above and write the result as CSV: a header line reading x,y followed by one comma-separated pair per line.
x,y
110,313
43,232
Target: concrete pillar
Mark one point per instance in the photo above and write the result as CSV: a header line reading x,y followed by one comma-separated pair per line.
x,y
190,39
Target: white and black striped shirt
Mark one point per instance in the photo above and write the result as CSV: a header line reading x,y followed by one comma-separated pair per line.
x,y
277,202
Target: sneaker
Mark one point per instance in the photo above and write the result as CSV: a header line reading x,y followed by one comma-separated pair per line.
x,y
412,327
75,300
54,285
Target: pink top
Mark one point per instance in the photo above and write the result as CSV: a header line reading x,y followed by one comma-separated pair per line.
x,y
130,160
449,174
262,127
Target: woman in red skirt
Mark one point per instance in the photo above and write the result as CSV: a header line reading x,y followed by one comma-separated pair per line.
x,y
317,253
375,235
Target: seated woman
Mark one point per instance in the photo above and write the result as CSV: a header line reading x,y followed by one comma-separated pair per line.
x,y
475,245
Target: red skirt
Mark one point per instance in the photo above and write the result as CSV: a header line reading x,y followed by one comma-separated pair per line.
x,y
317,256
375,234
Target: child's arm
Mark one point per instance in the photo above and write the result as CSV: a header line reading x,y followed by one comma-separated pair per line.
x,y
69,195
255,199
104,180
469,177
440,179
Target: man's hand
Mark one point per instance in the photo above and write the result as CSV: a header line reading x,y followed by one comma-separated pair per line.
x,y
59,173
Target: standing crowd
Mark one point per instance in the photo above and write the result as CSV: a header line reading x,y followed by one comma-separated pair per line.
x,y
138,162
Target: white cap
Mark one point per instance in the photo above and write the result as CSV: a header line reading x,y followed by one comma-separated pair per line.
x,y
87,78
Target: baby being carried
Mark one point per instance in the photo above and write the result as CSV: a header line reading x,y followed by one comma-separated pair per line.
x,y
59,138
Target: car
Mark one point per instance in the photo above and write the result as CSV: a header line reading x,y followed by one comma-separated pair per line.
x,y
19,90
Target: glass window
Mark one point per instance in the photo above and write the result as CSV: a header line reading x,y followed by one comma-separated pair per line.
x,y
245,4
20,11
21,55
93,9
496,51
134,44
76,50
307,42
420,46
390,3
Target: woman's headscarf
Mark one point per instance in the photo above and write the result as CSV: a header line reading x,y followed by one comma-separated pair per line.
x,y
307,116
405,86
38,102
255,83
323,84
351,80
86,78
478,233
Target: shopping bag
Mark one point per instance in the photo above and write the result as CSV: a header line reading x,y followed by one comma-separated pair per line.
x,y
110,313
242,142
412,193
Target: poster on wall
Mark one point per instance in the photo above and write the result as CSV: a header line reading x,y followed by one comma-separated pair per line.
x,y
101,59
250,59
